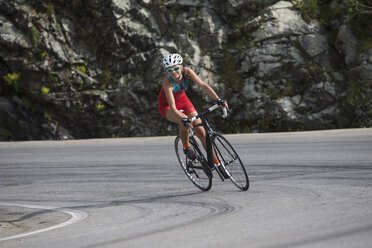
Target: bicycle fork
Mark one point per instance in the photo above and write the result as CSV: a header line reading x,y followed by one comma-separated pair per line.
x,y
209,162
211,159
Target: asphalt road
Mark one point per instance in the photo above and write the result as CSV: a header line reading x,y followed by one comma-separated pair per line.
x,y
308,189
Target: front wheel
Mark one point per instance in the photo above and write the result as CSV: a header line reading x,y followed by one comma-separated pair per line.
x,y
231,162
195,170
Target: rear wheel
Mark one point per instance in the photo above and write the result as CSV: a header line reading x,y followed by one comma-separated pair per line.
x,y
231,162
195,170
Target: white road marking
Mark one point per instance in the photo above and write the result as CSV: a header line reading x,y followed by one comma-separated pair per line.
x,y
76,215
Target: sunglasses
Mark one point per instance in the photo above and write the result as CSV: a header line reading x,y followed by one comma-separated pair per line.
x,y
173,69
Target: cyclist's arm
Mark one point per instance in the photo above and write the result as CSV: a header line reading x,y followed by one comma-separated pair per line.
x,y
205,87
168,88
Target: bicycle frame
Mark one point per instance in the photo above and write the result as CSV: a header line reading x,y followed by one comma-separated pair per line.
x,y
210,133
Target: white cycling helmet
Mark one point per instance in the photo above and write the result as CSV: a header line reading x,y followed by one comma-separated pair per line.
x,y
171,60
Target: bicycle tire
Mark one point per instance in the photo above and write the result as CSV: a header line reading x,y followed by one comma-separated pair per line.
x,y
231,162
196,171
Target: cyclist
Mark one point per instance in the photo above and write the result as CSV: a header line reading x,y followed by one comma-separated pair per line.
x,y
172,99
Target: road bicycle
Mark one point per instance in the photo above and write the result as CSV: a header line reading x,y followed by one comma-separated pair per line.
x,y
200,170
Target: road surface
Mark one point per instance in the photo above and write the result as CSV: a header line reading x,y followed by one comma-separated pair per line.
x,y
308,189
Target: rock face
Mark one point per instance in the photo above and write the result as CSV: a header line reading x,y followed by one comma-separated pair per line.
x,y
84,69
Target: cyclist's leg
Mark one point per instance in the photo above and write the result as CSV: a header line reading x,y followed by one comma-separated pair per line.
x,y
199,130
183,131
187,107
201,134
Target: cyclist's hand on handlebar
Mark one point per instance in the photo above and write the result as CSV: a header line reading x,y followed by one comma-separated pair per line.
x,y
186,122
222,102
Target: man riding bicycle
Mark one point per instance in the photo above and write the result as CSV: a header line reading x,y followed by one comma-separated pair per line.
x,y
172,99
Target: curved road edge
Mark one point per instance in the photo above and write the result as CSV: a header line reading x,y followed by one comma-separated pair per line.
x,y
76,216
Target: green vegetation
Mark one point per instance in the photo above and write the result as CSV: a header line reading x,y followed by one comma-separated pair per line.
x,y
81,68
47,116
309,9
234,126
358,103
35,36
95,13
126,80
12,79
239,24
126,125
43,54
315,70
76,4
5,133
245,39
50,9
176,12
44,90
266,123
106,78
54,78
355,13
191,34
229,70
100,107
277,93
29,104
357,93
361,25
86,35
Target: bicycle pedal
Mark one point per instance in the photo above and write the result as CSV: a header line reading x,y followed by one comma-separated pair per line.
x,y
189,170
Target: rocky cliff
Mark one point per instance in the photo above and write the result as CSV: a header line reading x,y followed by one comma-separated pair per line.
x,y
92,68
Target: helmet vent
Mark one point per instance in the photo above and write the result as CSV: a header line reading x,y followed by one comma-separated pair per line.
x,y
172,60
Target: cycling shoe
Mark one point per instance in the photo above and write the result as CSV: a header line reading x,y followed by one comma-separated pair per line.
x,y
190,154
